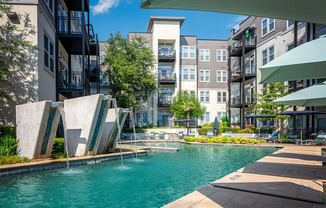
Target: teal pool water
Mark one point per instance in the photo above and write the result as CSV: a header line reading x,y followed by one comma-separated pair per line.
x,y
150,181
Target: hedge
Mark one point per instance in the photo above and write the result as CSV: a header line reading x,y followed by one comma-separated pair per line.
x,y
225,140
204,131
8,131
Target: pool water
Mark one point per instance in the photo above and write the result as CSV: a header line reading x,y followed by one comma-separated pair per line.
x,y
150,181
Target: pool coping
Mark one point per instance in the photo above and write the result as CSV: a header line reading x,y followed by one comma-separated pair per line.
x,y
50,164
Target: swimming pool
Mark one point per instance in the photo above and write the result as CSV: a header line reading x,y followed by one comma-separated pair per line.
x,y
150,181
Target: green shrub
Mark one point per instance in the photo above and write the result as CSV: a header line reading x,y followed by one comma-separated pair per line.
x,y
246,131
8,146
225,140
58,145
222,129
204,131
59,155
12,159
208,125
233,129
8,131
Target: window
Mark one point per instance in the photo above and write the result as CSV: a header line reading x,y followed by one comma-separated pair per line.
x,y
268,55
220,115
204,96
48,54
204,75
205,118
204,54
192,93
221,55
221,76
189,74
50,4
145,118
192,74
188,52
185,74
221,97
267,25
290,23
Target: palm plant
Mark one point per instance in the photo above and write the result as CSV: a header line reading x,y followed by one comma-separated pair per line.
x,y
8,146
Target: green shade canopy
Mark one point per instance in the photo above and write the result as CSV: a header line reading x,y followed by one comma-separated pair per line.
x,y
299,10
307,61
310,96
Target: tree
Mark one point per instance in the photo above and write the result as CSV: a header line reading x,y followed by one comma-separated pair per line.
x,y
264,105
129,70
14,46
187,106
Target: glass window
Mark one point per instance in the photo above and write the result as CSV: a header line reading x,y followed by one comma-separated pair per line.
x,y
207,117
185,52
271,53
202,96
290,22
48,54
219,76
265,57
224,96
192,52
207,55
204,54
192,74
185,74
219,56
271,24
264,26
207,76
219,96
207,96
224,76
201,76
192,93
224,55
145,118
201,54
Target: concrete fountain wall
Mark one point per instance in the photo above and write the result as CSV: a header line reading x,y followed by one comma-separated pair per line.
x,y
36,128
109,137
85,117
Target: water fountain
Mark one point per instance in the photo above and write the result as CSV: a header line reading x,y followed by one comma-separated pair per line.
x,y
37,124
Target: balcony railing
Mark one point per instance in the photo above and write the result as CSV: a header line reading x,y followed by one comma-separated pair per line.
x,y
72,81
236,47
249,100
168,78
166,55
235,100
73,26
164,101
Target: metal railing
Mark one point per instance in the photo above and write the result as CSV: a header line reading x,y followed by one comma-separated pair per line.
x,y
166,76
73,26
72,80
164,101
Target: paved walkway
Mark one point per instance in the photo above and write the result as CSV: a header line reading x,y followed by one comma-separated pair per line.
x,y
291,177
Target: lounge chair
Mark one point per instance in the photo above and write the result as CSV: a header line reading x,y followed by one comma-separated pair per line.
x,y
274,137
161,135
192,133
294,135
209,134
151,135
320,139
228,134
180,135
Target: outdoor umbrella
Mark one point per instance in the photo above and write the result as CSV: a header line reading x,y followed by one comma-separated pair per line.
x,y
298,10
216,128
186,120
310,96
301,114
307,61
260,116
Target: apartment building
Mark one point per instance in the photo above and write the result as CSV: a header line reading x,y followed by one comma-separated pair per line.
x,y
184,63
67,59
256,42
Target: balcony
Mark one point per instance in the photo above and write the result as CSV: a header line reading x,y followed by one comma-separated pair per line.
x,y
236,76
72,83
250,42
71,32
164,101
236,49
236,102
166,55
76,5
166,78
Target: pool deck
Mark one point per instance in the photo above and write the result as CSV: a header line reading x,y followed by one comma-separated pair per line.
x,y
290,177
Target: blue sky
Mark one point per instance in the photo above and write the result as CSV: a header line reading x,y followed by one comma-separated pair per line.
x,y
111,16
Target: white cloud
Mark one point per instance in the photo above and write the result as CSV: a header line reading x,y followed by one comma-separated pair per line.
x,y
103,6
236,21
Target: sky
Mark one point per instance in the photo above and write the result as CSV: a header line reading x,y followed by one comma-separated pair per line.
x,y
124,16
